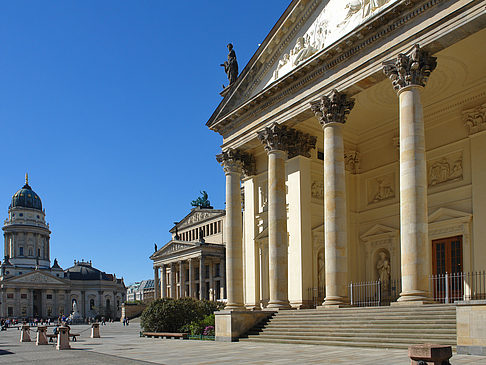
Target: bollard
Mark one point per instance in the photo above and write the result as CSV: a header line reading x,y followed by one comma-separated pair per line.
x,y
95,330
41,335
430,354
24,335
63,339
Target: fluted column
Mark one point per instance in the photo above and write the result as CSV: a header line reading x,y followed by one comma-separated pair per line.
x,y
331,112
182,279
234,162
156,283
163,285
409,73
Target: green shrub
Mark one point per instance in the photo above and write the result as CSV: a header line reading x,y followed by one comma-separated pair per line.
x,y
176,315
198,327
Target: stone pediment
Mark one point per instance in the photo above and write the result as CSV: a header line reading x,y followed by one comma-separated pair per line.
x,y
198,215
36,277
172,247
303,33
448,215
378,230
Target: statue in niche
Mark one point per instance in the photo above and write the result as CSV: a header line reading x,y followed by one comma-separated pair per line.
x,y
384,270
321,270
385,191
211,294
231,66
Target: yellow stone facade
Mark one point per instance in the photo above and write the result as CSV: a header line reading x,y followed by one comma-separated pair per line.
x,y
357,140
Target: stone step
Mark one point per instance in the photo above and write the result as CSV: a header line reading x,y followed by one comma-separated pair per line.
x,y
351,337
358,323
390,345
366,314
384,337
359,331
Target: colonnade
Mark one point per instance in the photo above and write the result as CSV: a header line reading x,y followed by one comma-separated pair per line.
x,y
178,279
409,73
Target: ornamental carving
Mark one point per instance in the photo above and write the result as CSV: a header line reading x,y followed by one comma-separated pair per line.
x,y
475,119
317,190
336,19
445,169
381,188
412,68
333,108
279,137
235,160
351,161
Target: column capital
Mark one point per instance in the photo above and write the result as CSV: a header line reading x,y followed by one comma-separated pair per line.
x,y
235,160
410,69
333,108
279,137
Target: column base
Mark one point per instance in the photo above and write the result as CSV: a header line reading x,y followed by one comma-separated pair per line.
x,y
279,305
234,307
335,302
419,297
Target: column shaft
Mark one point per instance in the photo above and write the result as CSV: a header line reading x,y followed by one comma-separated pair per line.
x,y
202,282
191,277
335,234
415,249
277,231
234,236
172,281
163,285
156,283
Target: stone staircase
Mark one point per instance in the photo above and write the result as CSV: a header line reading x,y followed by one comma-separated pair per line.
x,y
381,327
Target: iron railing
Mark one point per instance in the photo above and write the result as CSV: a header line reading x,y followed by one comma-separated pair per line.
x,y
316,296
451,287
373,293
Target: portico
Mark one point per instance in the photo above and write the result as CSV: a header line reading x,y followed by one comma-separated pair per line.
x,y
362,129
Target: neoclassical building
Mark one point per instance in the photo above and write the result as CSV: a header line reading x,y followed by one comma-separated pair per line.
x,y
358,134
31,287
192,263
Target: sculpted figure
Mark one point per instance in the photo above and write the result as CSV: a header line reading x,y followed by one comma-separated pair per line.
x,y
384,270
231,66
302,51
385,191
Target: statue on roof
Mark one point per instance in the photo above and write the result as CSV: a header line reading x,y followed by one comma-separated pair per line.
x,y
231,66
202,201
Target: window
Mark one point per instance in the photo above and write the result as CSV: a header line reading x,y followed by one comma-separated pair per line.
x,y
21,251
23,296
207,271
320,155
10,295
49,296
217,269
118,305
38,217
10,311
21,214
91,304
20,272
38,252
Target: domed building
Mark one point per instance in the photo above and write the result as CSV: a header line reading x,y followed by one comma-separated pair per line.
x,y
31,287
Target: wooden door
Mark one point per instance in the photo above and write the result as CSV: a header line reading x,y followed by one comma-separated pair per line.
x,y
447,258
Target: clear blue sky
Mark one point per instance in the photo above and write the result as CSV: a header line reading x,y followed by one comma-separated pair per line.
x,y
104,103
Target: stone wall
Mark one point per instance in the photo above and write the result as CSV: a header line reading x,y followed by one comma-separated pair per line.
x,y
132,310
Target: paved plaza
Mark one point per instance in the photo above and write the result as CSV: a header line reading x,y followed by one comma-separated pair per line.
x,y
122,345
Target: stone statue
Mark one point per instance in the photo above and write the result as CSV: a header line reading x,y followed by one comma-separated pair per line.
x,y
384,270
211,294
202,201
155,247
231,66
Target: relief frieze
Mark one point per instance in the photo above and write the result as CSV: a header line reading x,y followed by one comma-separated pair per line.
x,y
445,169
381,188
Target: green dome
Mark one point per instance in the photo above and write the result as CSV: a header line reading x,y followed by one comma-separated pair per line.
x,y
26,198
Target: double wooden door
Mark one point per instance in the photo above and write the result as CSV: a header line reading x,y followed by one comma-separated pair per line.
x,y
447,259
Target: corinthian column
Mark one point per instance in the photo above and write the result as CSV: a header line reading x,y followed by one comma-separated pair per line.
x,y
409,73
278,140
332,112
233,162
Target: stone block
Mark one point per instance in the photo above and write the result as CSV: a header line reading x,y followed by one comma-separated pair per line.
x,y
63,339
25,333
471,327
232,324
41,336
95,330
430,354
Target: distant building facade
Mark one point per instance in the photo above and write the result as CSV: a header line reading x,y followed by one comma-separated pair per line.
x,y
31,287
142,291
192,263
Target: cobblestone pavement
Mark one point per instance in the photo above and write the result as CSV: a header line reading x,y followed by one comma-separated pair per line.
x,y
122,345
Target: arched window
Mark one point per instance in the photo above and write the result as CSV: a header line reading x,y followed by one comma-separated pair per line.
x,y
38,252
31,252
